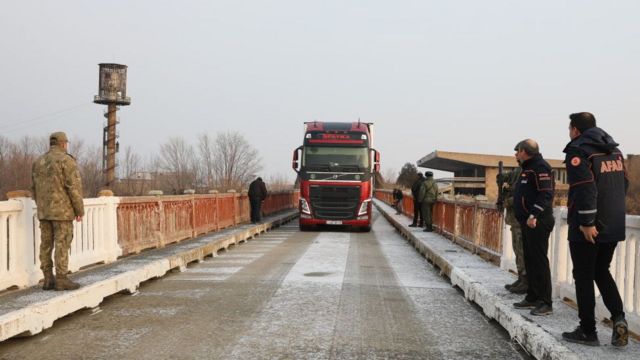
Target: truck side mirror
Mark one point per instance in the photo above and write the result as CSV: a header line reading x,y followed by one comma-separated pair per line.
x,y
376,161
296,157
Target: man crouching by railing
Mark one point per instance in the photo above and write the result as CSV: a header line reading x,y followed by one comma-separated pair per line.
x,y
397,200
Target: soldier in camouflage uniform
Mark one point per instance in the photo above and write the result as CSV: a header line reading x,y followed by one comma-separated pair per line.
x,y
509,179
57,190
427,196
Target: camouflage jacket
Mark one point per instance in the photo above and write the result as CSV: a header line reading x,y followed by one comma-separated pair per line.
x,y
509,178
56,186
428,191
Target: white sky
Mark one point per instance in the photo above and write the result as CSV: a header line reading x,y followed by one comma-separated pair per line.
x,y
469,76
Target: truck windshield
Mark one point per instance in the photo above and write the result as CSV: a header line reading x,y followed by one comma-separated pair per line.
x,y
335,158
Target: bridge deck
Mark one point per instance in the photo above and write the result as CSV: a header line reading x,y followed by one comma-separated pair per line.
x,y
331,294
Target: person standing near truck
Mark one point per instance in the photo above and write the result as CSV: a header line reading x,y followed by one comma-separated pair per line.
x,y
415,191
257,194
428,196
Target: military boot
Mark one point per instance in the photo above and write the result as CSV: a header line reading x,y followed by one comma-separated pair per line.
x,y
64,283
49,280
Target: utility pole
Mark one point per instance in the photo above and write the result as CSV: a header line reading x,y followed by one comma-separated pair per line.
x,y
112,91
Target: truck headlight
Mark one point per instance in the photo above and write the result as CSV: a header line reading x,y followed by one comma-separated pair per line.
x,y
364,207
304,206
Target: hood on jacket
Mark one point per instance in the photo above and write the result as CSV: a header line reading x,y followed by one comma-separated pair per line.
x,y
595,138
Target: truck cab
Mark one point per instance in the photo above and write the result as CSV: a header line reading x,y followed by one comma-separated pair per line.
x,y
336,166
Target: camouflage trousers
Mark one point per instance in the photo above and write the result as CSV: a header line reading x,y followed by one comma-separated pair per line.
x,y
518,250
427,213
58,235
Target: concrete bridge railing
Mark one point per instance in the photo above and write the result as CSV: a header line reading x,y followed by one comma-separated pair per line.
x,y
479,227
119,226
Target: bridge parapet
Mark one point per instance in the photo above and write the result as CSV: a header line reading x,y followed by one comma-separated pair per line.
x,y
479,227
119,226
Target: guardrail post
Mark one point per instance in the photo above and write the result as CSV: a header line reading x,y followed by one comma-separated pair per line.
x,y
235,206
111,248
217,209
476,230
24,247
456,218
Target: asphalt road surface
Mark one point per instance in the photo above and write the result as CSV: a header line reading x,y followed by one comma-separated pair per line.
x,y
330,294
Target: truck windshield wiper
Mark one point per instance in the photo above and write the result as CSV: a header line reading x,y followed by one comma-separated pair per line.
x,y
350,167
319,167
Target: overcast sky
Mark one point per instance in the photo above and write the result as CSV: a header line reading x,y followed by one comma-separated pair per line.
x,y
468,76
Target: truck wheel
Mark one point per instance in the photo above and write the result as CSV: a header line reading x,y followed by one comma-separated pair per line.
x,y
304,227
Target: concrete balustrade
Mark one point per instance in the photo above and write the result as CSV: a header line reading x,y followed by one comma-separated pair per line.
x,y
480,228
118,226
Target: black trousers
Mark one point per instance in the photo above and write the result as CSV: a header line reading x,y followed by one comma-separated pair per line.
x,y
591,263
256,210
417,209
535,243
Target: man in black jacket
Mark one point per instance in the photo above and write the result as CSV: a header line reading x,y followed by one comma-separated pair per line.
x,y
596,218
533,208
415,190
257,194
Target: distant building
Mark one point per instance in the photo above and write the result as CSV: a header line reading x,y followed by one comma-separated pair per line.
x,y
475,174
633,194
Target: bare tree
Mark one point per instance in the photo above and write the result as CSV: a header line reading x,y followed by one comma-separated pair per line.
x,y
279,182
21,156
389,176
90,166
408,175
236,161
133,180
5,147
177,160
206,152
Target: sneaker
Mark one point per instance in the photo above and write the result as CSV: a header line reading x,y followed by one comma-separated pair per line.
x,y
525,304
578,336
509,286
521,288
542,310
620,336
427,230
412,225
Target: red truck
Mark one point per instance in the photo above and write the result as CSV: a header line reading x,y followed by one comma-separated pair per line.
x,y
336,166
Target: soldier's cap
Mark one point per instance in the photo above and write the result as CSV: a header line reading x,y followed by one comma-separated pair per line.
x,y
59,137
428,173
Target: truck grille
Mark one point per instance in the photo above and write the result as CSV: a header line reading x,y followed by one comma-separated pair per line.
x,y
334,202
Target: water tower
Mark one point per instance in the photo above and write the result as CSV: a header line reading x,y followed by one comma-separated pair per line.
x,y
112,91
